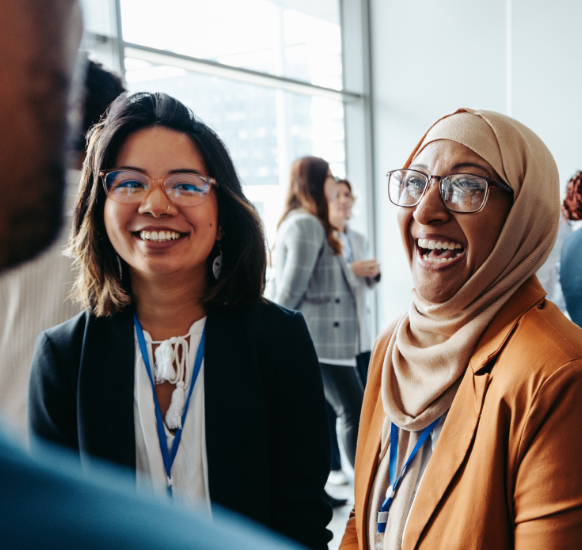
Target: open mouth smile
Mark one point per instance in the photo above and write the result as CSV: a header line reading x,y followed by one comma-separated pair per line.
x,y
437,251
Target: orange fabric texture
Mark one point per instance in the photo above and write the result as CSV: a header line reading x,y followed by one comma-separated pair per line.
x,y
505,472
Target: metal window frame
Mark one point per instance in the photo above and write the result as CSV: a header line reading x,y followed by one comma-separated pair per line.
x,y
356,96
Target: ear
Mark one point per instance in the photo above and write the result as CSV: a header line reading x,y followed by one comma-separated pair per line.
x,y
219,233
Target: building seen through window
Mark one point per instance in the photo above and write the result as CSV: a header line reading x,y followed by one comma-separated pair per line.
x,y
264,127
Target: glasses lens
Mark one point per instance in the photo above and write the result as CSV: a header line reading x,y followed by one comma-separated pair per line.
x,y
126,186
187,189
405,187
463,192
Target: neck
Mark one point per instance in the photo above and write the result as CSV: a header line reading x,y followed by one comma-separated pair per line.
x,y
167,305
340,225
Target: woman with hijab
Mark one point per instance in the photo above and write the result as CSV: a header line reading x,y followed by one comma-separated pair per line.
x,y
311,276
178,369
469,437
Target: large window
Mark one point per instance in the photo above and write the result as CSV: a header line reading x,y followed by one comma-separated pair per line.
x,y
267,75
298,39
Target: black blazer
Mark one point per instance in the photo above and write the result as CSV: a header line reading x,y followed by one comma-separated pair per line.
x,y
267,438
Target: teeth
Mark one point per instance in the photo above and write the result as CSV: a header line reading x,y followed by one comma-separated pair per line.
x,y
439,245
159,236
440,260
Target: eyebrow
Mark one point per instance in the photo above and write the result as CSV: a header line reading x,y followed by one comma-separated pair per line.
x,y
177,171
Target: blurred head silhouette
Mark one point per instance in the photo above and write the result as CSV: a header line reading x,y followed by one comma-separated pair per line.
x,y
39,40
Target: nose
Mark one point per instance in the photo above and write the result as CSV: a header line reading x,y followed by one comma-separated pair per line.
x,y
156,203
431,209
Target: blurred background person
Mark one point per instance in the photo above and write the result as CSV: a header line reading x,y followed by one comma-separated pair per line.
x,y
570,213
35,296
571,254
366,269
311,275
181,358
367,272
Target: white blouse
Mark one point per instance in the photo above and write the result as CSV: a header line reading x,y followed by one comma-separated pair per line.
x,y
190,468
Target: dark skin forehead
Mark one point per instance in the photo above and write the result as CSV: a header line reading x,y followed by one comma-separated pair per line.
x,y
38,41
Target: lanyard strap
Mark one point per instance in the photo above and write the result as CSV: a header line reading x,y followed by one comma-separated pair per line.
x,y
395,482
168,457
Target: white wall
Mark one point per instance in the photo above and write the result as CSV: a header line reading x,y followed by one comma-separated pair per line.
x,y
430,57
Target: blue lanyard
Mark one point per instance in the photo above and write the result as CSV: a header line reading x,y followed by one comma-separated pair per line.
x,y
395,482
168,457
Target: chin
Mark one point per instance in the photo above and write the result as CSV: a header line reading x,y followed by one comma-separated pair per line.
x,y
433,296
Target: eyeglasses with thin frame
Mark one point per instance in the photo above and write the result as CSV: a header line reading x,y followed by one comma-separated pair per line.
x,y
462,193
130,186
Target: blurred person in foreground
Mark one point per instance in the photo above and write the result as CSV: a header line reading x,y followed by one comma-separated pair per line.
x,y
178,368
470,422
45,502
36,296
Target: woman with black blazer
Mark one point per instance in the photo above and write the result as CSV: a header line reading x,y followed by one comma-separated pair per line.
x,y
178,368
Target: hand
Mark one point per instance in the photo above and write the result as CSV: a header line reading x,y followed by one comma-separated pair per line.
x,y
366,268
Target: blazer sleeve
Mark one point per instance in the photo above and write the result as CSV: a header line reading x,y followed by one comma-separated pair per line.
x,y
350,537
300,441
303,241
52,410
548,486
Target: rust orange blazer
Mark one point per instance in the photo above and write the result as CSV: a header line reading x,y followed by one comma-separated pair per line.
x,y
507,468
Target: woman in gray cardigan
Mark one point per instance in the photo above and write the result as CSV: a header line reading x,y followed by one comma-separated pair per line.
x,y
366,269
311,276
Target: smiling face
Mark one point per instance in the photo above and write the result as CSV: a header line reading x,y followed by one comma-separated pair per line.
x,y
340,209
431,233
156,236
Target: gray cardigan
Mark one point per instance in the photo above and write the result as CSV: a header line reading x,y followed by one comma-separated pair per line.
x,y
309,277
359,247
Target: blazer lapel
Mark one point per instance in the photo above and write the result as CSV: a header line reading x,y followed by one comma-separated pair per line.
x,y
235,418
452,447
348,274
454,443
105,389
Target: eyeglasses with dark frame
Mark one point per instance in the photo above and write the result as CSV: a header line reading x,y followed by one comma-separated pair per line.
x,y
130,186
461,193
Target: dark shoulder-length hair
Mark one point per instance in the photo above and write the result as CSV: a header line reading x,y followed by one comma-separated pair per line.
x,y
306,190
103,284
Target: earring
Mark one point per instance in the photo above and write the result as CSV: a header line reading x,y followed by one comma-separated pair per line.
x,y
119,267
217,263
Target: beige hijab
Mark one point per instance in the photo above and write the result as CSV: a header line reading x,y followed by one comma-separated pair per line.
x,y
431,346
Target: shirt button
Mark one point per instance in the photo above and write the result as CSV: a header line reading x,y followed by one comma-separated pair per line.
x,y
337,300
336,324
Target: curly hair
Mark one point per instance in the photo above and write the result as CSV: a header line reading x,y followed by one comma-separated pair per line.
x,y
572,205
103,284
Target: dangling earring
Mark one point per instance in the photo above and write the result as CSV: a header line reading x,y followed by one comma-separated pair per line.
x,y
119,267
217,263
